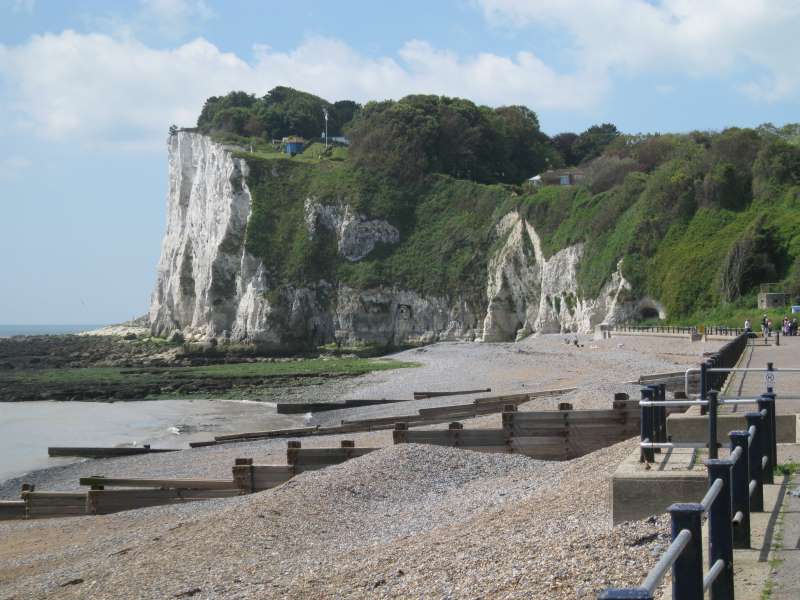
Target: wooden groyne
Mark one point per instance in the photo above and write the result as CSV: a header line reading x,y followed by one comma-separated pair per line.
x,y
294,408
104,452
548,435
426,395
425,416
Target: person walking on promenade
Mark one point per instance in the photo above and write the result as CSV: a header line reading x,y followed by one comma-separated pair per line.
x,y
748,327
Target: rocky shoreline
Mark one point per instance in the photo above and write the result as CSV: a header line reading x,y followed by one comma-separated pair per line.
x,y
109,367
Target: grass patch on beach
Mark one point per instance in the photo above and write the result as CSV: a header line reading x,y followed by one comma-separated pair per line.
x,y
240,380
303,367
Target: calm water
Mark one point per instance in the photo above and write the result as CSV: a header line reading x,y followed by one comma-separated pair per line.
x,y
10,330
28,428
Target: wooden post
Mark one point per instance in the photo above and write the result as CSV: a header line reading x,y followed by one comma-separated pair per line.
x,y
292,447
400,433
251,479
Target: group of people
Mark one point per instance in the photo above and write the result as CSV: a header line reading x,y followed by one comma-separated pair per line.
x,y
788,327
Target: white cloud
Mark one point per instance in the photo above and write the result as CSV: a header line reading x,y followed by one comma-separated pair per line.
x,y
708,38
97,88
12,166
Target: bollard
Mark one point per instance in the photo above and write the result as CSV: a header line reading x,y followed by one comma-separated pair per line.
x,y
646,427
769,447
740,495
713,398
720,530
755,451
687,571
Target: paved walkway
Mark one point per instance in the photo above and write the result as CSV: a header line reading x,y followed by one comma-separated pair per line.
x,y
785,385
775,558
785,582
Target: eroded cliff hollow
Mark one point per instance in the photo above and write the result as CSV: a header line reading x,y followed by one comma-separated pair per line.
x,y
234,265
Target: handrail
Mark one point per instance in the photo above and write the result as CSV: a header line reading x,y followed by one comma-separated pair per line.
x,y
713,491
735,490
753,369
667,559
673,403
714,572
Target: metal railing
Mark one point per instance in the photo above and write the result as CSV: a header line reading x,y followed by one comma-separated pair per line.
x,y
735,490
655,328
725,358
722,330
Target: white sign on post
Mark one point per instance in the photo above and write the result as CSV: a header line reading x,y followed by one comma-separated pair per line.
x,y
769,379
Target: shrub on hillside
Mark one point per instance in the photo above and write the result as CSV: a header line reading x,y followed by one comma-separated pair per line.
x,y
605,172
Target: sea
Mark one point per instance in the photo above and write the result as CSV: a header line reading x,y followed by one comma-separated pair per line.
x,y
27,429
12,330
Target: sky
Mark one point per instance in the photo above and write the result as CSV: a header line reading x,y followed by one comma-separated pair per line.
x,y
88,89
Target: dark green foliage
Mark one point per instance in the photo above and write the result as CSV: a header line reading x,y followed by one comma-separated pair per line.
x,y
563,145
419,135
777,164
605,172
752,259
591,143
691,233
282,112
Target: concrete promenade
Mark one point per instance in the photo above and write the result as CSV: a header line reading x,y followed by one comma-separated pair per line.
x,y
772,568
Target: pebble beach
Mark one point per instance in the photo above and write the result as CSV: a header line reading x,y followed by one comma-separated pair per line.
x,y
407,521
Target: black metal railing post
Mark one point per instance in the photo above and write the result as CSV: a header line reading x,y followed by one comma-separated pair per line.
x,y
740,491
662,412
720,529
703,384
769,446
646,426
687,571
755,452
713,398
774,450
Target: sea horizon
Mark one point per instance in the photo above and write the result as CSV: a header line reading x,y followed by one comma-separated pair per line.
x,y
7,330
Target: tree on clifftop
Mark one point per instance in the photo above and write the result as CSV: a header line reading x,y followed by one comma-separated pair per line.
x,y
424,134
282,112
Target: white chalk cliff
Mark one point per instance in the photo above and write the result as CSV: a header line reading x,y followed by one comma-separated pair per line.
x,y
209,286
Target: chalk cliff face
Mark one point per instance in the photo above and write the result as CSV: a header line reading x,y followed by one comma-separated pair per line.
x,y
209,286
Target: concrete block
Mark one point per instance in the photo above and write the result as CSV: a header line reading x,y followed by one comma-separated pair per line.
x,y
693,427
638,492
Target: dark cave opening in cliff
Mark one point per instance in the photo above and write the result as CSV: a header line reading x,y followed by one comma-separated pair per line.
x,y
648,313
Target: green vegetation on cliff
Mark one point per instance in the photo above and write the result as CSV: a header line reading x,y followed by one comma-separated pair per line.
x,y
445,226
696,221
